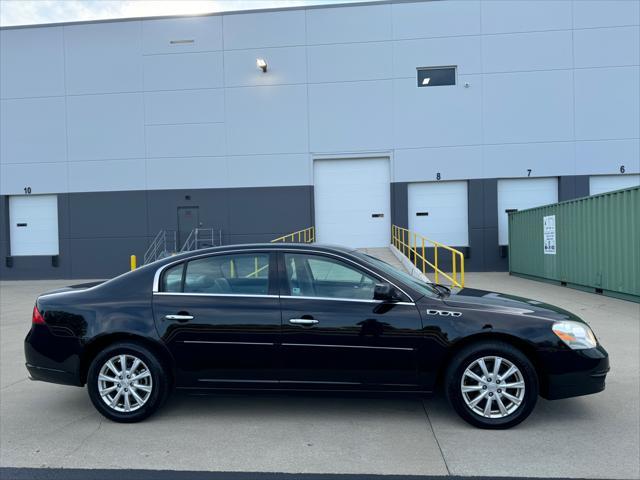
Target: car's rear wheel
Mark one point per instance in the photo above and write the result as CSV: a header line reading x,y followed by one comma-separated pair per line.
x,y
492,385
126,382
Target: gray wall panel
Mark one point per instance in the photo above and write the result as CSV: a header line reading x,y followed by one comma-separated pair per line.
x,y
269,210
107,214
399,204
163,208
573,187
104,257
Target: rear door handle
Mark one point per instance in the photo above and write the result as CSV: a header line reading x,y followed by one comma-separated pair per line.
x,y
180,318
303,321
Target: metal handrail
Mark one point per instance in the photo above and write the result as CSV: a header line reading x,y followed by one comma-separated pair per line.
x,y
163,244
401,239
306,235
201,238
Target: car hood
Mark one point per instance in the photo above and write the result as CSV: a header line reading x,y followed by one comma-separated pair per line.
x,y
470,298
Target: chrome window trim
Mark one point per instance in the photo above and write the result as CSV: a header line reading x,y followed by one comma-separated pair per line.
x,y
343,299
156,277
232,295
271,344
370,347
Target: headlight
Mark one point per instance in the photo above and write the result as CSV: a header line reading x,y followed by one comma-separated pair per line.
x,y
576,335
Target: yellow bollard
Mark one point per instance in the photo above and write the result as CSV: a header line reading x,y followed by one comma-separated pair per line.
x,y
133,261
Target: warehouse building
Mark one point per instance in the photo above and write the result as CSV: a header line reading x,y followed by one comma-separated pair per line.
x,y
439,116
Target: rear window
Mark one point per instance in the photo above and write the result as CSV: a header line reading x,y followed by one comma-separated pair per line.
x,y
239,274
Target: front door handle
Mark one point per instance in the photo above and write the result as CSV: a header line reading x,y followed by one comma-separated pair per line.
x,y
303,321
180,318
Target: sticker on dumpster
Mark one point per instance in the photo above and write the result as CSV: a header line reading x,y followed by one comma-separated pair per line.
x,y
549,224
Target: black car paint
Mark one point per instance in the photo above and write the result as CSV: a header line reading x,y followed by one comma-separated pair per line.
x,y
395,346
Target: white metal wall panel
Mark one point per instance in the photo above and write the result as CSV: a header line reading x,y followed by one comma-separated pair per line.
x,y
464,52
103,57
608,183
31,62
436,117
267,29
107,175
607,47
262,120
40,177
528,107
527,51
102,127
516,159
347,192
269,170
186,106
286,65
351,116
520,194
350,62
33,225
607,113
447,206
170,173
367,23
158,35
435,19
607,156
424,164
33,130
500,16
605,13
183,71
186,140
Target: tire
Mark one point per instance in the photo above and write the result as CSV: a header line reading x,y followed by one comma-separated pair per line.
x,y
507,406
146,392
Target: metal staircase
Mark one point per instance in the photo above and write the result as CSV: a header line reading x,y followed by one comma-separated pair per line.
x,y
165,243
202,238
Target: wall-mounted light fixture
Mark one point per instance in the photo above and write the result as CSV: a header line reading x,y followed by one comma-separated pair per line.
x,y
261,63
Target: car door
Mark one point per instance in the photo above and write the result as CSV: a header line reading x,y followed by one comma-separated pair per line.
x,y
335,335
219,315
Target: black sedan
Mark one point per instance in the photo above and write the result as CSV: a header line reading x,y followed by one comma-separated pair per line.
x,y
306,317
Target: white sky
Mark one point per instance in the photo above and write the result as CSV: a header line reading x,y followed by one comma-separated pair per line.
x,y
26,12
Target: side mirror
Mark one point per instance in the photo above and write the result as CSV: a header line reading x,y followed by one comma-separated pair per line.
x,y
386,292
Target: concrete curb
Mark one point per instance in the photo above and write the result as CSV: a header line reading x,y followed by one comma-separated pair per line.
x,y
406,263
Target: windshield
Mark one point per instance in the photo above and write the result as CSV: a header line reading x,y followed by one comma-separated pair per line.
x,y
415,283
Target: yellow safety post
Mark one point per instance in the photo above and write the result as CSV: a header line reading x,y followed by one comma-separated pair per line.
x,y
435,262
424,259
134,262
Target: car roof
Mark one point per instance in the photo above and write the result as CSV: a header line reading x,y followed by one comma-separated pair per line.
x,y
274,246
253,246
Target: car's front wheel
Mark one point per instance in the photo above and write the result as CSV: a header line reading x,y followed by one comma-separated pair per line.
x,y
492,385
126,382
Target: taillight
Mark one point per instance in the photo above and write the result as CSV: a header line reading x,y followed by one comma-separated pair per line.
x,y
37,318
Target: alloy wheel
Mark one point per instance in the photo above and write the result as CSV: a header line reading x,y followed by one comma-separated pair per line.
x,y
125,383
492,387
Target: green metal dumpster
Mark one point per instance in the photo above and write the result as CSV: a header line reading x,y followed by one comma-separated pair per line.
x,y
591,243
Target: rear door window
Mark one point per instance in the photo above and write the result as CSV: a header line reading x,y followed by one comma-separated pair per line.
x,y
238,274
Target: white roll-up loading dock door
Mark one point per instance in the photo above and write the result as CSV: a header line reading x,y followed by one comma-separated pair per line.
x,y
609,183
352,202
520,194
33,225
439,211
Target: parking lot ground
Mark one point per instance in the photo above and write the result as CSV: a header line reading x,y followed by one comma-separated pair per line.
x,y
44,425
